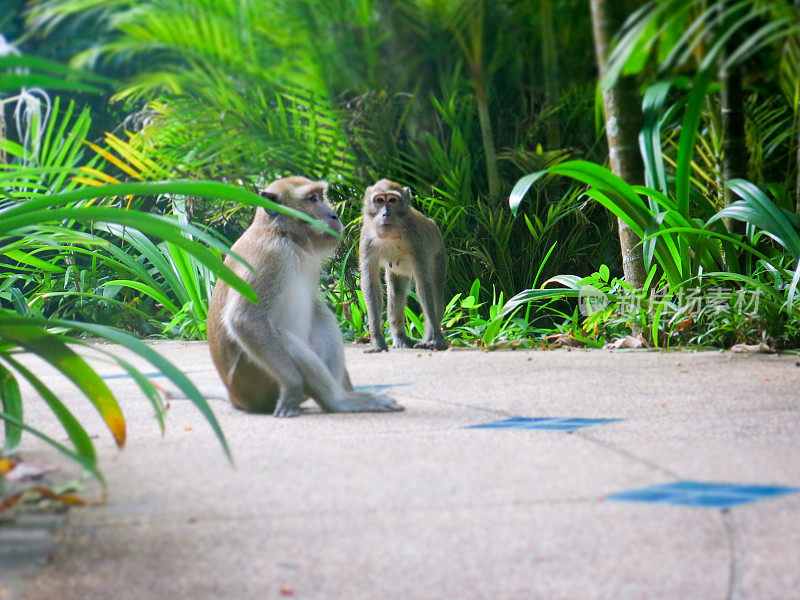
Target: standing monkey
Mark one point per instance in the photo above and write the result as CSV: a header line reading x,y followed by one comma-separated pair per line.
x,y
275,354
406,244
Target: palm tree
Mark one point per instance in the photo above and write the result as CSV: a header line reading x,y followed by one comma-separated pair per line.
x,y
623,123
721,36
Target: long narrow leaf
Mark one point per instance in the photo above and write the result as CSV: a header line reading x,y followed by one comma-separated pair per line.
x,y
11,401
77,434
35,339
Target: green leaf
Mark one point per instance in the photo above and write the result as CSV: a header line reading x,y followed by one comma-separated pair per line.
x,y
11,401
155,294
30,259
48,346
77,434
164,366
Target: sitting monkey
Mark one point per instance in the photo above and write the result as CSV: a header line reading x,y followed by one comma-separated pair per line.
x,y
274,355
406,244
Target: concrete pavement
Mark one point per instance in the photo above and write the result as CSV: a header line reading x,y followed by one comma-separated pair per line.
x,y
414,505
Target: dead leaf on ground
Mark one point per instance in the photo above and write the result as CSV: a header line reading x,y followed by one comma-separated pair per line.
x,y
508,344
26,470
628,342
762,347
36,493
557,340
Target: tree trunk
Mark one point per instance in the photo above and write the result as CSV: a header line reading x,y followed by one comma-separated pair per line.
x,y
797,190
489,151
623,122
550,73
734,144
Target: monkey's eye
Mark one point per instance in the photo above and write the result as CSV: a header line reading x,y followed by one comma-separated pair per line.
x,y
312,198
391,199
379,199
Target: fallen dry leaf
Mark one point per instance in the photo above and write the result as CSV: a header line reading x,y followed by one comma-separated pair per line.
x,y
557,340
628,342
760,347
508,344
7,463
38,492
25,470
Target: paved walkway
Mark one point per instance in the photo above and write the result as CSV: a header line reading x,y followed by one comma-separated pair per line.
x,y
417,506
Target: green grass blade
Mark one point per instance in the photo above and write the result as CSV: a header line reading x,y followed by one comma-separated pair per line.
x,y
11,400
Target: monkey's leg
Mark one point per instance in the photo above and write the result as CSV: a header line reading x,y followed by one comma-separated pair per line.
x,y
270,350
373,296
298,369
326,341
427,290
396,295
329,393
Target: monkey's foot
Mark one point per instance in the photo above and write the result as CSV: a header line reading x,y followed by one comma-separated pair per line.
x,y
286,409
403,341
376,349
440,344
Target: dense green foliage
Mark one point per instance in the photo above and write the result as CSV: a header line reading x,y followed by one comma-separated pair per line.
x,y
460,99
457,99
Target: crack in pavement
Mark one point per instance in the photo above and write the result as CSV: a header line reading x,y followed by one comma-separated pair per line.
x,y
727,517
733,565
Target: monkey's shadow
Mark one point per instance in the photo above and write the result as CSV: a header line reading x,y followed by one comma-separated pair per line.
x,y
378,387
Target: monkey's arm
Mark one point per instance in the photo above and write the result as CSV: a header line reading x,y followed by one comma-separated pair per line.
x,y
373,296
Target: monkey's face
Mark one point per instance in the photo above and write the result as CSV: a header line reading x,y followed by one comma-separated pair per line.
x,y
312,201
308,197
386,207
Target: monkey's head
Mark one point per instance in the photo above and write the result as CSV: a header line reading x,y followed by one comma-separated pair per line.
x,y
385,205
308,197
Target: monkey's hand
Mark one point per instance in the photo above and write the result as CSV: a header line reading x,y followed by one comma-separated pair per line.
x,y
366,402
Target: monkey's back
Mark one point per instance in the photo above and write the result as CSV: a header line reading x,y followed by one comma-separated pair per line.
x,y
249,387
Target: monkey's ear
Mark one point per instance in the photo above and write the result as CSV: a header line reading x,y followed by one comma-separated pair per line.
x,y
407,192
272,197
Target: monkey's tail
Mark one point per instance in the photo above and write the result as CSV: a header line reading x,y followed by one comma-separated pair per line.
x,y
208,392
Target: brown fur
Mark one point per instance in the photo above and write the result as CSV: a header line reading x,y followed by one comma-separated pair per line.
x,y
273,355
406,244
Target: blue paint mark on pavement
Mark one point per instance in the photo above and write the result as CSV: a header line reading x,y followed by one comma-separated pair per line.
x,y
703,494
554,424
127,375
